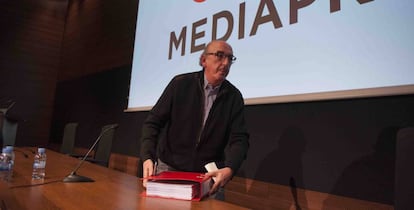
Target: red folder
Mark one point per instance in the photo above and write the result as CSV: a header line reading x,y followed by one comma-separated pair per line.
x,y
178,185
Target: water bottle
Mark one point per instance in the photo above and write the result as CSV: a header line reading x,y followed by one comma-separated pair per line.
x,y
5,164
39,164
11,150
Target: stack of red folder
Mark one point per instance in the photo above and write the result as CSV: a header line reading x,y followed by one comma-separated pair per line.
x,y
178,185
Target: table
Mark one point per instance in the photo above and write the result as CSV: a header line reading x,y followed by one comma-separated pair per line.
x,y
111,189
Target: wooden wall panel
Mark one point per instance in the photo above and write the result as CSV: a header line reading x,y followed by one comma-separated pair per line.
x,y
124,163
99,36
30,44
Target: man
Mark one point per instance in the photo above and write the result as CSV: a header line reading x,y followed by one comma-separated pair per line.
x,y
203,117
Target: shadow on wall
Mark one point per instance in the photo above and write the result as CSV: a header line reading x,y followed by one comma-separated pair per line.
x,y
361,178
284,164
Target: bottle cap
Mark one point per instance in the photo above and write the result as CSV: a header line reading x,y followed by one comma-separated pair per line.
x,y
6,150
41,150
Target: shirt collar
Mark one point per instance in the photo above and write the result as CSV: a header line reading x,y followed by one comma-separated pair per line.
x,y
206,84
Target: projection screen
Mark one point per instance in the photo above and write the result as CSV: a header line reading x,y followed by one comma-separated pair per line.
x,y
286,51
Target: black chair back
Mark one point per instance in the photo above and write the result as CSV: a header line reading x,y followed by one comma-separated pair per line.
x,y
68,139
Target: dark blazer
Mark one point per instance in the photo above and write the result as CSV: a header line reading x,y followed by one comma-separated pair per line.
x,y
186,145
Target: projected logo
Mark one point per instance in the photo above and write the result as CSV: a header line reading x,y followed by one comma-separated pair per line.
x,y
199,1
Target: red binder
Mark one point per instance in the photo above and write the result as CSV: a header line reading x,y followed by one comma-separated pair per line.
x,y
178,185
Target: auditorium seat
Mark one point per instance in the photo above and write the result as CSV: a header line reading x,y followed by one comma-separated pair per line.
x,y
68,139
9,131
103,149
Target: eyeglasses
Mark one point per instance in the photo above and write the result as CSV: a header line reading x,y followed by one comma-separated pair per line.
x,y
221,55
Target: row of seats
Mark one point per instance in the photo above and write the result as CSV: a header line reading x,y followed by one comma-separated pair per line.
x,y
101,151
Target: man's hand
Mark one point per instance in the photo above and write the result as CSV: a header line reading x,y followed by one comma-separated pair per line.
x,y
147,170
222,176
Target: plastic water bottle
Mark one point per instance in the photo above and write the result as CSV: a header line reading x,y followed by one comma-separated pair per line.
x,y
11,150
39,164
6,164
